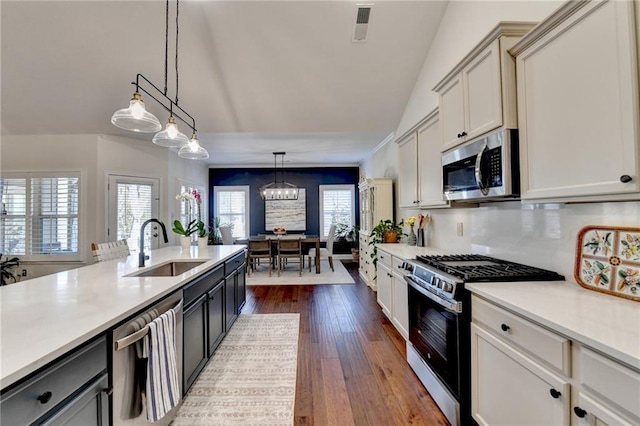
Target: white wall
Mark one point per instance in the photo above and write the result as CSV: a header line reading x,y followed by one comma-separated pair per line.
x,y
97,156
541,235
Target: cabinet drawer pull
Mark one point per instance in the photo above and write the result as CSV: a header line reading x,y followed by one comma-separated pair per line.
x,y
579,412
45,397
505,327
554,393
625,179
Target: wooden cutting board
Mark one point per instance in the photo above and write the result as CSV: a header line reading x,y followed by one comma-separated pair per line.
x,y
608,260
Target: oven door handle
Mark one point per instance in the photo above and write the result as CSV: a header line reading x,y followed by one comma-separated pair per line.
x,y
453,307
478,172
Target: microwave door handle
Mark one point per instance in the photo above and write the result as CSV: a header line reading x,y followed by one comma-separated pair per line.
x,y
478,173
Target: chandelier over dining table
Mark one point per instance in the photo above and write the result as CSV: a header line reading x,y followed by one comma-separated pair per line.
x,y
136,118
279,189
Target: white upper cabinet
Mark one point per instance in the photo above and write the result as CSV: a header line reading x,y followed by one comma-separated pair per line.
x,y
420,166
479,94
578,104
408,171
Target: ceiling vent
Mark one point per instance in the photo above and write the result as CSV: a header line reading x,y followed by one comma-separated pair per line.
x,y
363,16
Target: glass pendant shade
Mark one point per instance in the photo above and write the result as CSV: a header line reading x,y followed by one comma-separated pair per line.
x,y
170,137
193,150
136,118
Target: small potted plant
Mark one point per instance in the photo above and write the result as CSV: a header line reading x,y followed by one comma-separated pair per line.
x,y
386,231
7,265
202,232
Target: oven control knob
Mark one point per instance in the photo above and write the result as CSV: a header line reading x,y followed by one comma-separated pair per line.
x,y
448,287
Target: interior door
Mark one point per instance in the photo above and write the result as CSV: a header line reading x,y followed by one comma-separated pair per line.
x,y
132,200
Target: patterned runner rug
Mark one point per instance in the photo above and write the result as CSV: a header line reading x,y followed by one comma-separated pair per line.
x,y
251,379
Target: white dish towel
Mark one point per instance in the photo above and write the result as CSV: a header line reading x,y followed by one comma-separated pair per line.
x,y
163,386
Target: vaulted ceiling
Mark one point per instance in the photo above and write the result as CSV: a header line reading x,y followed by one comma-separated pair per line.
x,y
257,76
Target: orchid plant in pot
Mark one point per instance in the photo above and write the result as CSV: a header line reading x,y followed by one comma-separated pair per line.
x,y
186,230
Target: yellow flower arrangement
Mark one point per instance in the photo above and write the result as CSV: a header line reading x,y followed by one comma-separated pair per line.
x,y
411,221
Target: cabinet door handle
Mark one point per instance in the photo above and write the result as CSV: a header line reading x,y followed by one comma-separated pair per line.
x,y
579,412
504,327
625,178
554,393
463,133
45,397
459,135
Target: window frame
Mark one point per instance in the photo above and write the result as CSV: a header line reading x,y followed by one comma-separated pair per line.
x,y
247,204
76,256
337,187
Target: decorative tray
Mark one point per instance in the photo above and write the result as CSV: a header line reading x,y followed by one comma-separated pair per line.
x,y
608,260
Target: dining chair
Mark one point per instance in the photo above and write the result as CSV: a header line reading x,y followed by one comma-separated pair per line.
x,y
110,250
289,249
259,249
225,233
325,252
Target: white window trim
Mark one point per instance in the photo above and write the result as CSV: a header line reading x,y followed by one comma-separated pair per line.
x,y
321,189
247,197
81,174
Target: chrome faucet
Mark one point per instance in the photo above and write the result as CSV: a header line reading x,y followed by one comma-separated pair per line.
x,y
141,256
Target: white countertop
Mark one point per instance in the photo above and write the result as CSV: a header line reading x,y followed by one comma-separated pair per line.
x,y
406,252
43,318
608,324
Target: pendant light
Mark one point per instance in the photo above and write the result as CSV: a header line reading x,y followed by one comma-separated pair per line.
x,y
136,118
279,190
193,150
170,137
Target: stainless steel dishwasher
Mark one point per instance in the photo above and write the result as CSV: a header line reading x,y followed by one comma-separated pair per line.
x,y
126,365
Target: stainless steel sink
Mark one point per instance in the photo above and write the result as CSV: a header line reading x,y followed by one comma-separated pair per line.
x,y
170,269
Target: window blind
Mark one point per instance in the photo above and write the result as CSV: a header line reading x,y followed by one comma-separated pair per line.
x,y
135,205
13,213
231,208
39,214
337,204
54,215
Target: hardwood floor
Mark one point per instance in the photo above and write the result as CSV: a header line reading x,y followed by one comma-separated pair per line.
x,y
352,367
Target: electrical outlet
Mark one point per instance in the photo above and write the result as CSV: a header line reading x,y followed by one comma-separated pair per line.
x,y
459,229
24,272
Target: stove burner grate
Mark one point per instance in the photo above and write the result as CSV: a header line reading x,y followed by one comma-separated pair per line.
x,y
474,267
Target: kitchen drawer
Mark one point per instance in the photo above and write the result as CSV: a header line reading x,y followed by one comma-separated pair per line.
x,y
548,346
384,258
233,263
201,285
396,263
21,405
609,379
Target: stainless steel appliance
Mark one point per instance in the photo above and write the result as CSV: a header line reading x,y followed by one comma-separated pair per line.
x,y
439,343
126,364
483,169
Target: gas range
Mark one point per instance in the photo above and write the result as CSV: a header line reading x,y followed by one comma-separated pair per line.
x,y
445,275
439,344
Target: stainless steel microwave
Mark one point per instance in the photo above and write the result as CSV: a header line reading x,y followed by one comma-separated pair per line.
x,y
484,169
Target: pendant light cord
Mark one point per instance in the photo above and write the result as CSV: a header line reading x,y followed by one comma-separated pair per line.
x,y
177,30
166,46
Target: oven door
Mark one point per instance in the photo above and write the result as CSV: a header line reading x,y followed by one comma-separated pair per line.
x,y
434,331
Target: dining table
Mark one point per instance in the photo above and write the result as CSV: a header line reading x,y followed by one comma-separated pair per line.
x,y
306,240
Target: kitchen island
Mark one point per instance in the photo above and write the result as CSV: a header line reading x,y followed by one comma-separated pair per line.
x,y
44,318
